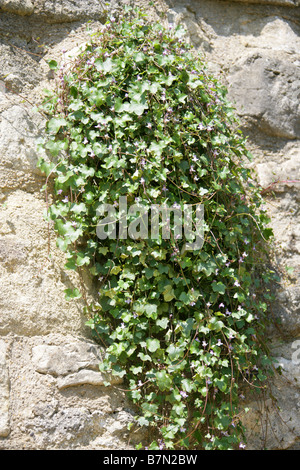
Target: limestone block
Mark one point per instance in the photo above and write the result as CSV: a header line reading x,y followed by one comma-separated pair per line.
x,y
85,376
66,359
271,33
290,369
180,15
19,7
264,87
19,131
4,392
18,69
285,3
32,285
285,174
55,10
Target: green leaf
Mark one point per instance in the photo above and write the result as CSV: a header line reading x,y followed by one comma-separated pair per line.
x,y
215,324
175,352
137,107
164,381
72,294
219,287
150,310
52,64
168,293
152,344
54,124
162,323
144,357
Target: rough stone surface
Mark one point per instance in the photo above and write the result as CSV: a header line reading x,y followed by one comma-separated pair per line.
x,y
266,89
56,10
86,377
65,359
4,392
20,7
52,394
285,3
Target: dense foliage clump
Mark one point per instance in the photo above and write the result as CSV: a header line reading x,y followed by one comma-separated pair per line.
x,y
136,115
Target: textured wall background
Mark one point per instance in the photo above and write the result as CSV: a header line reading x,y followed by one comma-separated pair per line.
x,y
52,394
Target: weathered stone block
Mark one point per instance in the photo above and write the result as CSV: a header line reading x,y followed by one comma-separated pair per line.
x,y
4,392
265,88
65,359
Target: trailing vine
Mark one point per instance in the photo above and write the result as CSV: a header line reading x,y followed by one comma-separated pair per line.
x,y
136,115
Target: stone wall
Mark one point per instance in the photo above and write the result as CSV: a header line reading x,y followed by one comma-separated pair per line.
x,y
52,395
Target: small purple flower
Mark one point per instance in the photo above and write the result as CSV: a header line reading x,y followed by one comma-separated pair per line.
x,y
221,305
236,283
91,61
183,394
161,445
59,191
66,199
